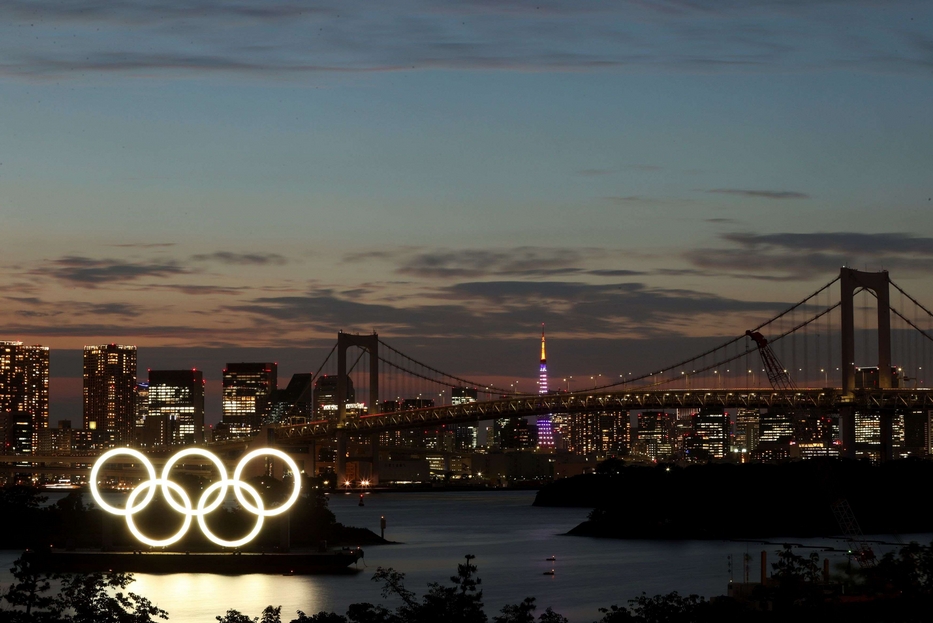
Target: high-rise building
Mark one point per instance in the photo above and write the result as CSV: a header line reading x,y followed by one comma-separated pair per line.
x,y
325,396
777,426
603,434
465,435
248,389
711,434
24,395
176,397
110,393
656,434
917,432
747,430
293,404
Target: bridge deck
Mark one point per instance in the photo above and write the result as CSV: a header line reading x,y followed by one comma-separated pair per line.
x,y
536,405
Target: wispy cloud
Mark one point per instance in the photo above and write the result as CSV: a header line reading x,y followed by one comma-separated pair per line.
x,y
88,272
522,262
242,259
767,194
54,39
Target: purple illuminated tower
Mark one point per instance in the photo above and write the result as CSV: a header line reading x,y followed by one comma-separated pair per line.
x,y
545,434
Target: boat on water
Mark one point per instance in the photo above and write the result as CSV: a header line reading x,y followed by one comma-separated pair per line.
x,y
61,484
551,558
223,563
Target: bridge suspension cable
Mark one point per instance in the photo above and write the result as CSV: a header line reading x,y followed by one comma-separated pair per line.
x,y
460,380
726,344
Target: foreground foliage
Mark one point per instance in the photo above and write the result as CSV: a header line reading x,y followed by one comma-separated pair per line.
x,y
79,598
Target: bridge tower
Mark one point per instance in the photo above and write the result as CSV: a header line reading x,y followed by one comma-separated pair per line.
x,y
878,283
369,343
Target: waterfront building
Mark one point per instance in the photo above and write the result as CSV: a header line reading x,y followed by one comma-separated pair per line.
x,y
24,395
176,400
110,394
247,396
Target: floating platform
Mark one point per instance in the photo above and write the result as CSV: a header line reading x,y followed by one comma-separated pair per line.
x,y
225,563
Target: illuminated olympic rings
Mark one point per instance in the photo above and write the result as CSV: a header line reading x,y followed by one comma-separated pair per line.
x,y
204,506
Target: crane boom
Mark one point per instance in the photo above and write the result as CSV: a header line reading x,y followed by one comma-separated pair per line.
x,y
777,375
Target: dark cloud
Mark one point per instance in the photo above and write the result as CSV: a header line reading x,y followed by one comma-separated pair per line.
x,y
144,245
609,272
87,272
791,256
200,290
228,257
111,309
528,262
880,244
54,38
630,199
505,309
767,194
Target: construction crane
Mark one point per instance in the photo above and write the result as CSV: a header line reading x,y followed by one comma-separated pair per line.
x,y
777,375
781,381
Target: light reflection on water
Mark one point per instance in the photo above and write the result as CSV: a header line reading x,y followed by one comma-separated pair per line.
x,y
510,539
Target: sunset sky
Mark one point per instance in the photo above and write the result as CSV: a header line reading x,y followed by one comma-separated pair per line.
x,y
222,180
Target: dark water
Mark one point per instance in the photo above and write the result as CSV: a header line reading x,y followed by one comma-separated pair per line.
x,y
510,539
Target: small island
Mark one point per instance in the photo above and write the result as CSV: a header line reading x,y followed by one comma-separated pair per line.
x,y
756,500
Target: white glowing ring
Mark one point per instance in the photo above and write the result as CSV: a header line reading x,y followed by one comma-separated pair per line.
x,y
130,509
204,507
166,484
296,477
237,485
166,472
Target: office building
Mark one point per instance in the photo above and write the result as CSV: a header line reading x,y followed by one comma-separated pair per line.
x,y
176,401
777,426
602,434
711,438
325,396
747,430
247,397
465,435
110,394
655,434
293,405
24,395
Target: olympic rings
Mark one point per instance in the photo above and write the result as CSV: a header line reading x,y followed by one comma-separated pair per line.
x,y
204,505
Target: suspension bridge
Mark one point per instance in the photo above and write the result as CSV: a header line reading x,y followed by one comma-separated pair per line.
x,y
837,357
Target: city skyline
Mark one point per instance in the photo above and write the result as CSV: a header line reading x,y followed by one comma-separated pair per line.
x,y
642,179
